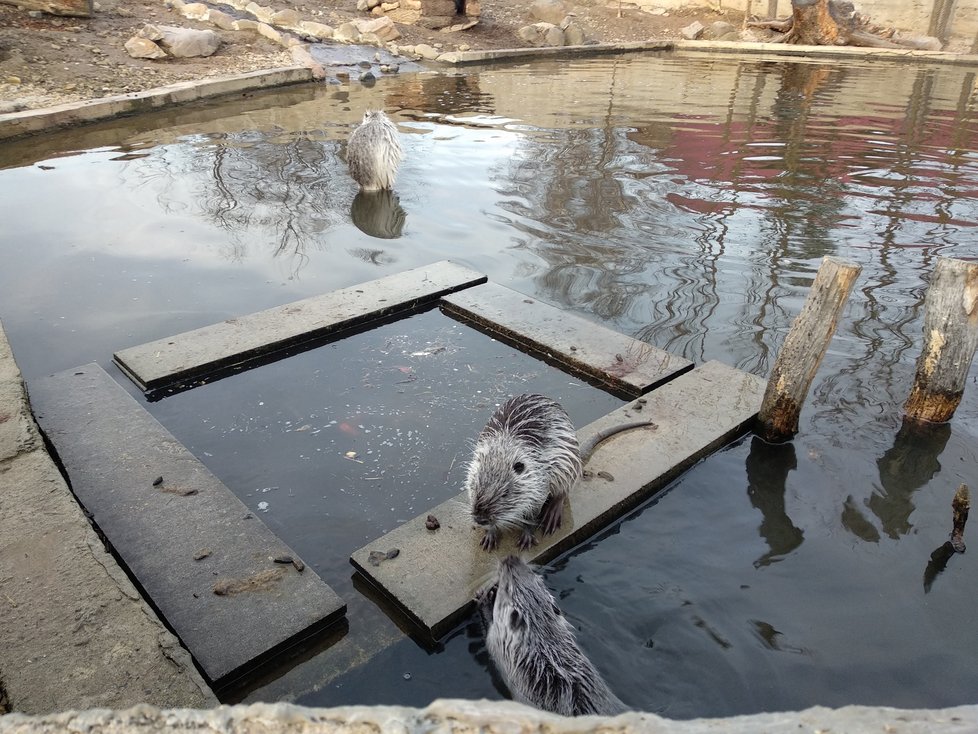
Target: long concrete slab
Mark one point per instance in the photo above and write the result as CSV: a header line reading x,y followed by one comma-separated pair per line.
x,y
435,573
195,354
206,562
627,366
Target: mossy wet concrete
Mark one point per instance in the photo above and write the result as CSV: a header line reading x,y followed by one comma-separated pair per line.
x,y
75,632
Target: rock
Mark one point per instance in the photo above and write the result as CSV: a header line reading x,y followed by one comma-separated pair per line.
x,y
426,52
15,106
541,34
271,33
286,18
143,48
716,29
260,11
319,31
362,6
195,11
368,79
301,56
573,35
693,31
246,25
549,11
387,7
182,43
221,19
383,28
346,33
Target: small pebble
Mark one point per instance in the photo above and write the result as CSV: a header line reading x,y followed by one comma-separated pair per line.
x,y
299,565
202,554
431,522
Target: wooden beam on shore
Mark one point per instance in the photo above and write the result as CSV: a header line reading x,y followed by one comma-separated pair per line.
x,y
950,338
804,348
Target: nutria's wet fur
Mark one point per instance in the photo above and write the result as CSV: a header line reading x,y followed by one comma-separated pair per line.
x,y
374,152
532,645
527,457
525,462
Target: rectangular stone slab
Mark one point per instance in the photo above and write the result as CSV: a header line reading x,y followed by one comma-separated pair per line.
x,y
211,348
113,451
628,366
436,573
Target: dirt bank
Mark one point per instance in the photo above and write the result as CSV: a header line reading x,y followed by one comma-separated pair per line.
x,y
46,60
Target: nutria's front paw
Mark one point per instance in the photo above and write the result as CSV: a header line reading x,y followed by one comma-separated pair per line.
x,y
527,540
490,540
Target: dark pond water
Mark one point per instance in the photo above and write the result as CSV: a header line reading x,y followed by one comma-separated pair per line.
x,y
684,201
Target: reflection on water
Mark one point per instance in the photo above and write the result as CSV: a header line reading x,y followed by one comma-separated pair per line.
x,y
684,201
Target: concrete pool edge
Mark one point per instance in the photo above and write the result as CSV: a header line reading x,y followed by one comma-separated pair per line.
x,y
29,122
66,602
489,717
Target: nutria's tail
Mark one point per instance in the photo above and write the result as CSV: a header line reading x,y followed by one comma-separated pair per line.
x,y
588,447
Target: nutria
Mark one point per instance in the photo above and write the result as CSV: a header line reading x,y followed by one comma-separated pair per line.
x,y
374,152
524,463
533,646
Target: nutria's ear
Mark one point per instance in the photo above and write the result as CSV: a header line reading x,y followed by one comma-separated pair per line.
x,y
516,620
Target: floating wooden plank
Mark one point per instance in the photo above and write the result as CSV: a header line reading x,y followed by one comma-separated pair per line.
x,y
197,353
205,561
436,573
628,366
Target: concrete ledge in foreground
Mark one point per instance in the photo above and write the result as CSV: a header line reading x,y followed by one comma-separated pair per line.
x,y
436,573
207,563
75,632
28,122
449,716
624,364
195,354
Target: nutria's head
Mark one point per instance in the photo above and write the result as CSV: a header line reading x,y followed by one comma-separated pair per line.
x,y
506,482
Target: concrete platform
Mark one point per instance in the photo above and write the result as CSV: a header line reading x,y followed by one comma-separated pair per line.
x,y
208,564
436,573
75,632
196,354
625,365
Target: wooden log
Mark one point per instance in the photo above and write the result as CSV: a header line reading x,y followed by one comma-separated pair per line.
x,y
950,338
75,8
803,349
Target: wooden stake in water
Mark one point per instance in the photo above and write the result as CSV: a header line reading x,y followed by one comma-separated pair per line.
x,y
950,338
960,506
804,348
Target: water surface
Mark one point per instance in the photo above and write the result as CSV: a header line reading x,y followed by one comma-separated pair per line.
x,y
683,201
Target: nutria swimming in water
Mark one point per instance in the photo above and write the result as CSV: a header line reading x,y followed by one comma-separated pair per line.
x,y
374,152
533,646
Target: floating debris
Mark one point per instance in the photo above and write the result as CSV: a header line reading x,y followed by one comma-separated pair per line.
x,y
431,522
960,506
263,506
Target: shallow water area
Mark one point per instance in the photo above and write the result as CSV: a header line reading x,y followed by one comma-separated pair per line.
x,y
685,201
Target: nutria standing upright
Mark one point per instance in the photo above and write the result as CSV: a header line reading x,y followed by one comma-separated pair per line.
x,y
374,152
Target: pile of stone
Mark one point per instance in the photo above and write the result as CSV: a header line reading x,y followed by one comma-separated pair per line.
x,y
556,26
444,15
162,41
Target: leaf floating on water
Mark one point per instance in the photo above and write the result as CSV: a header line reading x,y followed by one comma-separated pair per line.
x,y
352,456
306,427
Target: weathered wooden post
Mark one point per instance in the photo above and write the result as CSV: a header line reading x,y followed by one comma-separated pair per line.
x,y
803,349
950,338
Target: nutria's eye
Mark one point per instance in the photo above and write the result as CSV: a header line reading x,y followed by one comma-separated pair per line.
x,y
518,467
